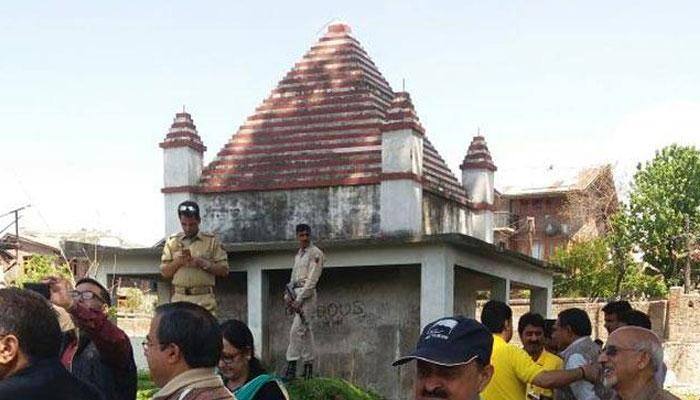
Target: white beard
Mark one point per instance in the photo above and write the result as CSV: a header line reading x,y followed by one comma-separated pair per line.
x,y
609,382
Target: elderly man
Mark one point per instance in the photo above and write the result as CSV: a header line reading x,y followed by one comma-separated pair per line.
x,y
182,349
30,340
631,357
453,360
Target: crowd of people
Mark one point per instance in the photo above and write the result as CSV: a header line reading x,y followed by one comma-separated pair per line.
x,y
191,356
59,343
460,358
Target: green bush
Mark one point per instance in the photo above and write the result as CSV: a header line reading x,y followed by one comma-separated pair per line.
x,y
146,387
40,267
328,388
314,389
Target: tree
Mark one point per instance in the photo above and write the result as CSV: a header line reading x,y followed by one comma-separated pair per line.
x,y
587,271
39,267
592,269
663,215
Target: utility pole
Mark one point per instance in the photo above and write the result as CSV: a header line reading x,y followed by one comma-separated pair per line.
x,y
14,212
688,249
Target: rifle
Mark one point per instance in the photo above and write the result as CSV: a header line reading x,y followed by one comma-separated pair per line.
x,y
289,291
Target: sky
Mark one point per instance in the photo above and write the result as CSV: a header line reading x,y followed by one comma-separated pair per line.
x,y
89,88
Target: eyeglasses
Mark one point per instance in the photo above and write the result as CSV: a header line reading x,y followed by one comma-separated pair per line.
x,y
228,359
187,208
612,350
148,344
86,295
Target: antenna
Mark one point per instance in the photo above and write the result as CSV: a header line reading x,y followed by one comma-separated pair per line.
x,y
183,108
403,84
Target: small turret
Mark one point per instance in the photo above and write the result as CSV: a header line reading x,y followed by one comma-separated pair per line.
x,y
477,178
183,154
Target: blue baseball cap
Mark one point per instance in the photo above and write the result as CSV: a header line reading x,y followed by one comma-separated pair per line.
x,y
452,341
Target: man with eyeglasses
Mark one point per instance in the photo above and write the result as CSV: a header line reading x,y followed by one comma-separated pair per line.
x,y
100,353
300,297
630,359
193,259
182,349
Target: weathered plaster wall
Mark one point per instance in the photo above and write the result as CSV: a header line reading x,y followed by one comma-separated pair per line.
x,y
401,207
441,215
365,318
479,185
232,296
467,283
333,213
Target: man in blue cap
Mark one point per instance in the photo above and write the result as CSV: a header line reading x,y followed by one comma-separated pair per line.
x,y
453,357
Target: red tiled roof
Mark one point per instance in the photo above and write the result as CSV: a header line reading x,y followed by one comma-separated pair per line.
x,y
321,126
438,178
183,133
478,155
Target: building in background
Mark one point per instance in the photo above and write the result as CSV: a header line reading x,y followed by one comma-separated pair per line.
x,y
16,250
550,209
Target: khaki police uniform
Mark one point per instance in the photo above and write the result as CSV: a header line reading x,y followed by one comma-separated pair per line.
x,y
189,283
308,264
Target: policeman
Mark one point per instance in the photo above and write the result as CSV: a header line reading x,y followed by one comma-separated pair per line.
x,y
193,259
300,297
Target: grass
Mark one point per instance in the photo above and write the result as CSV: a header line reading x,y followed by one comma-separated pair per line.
x,y
328,389
146,388
314,389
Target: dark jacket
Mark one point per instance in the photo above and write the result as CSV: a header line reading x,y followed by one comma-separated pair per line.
x,y
104,357
46,380
114,383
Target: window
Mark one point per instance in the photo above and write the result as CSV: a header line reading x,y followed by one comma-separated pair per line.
x,y
536,251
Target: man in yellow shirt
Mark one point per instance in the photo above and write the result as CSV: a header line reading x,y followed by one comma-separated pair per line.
x,y
513,367
531,331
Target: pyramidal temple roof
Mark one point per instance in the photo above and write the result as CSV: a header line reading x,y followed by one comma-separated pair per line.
x,y
321,126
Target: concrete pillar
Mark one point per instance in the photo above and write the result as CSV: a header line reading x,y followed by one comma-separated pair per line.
x,y
541,301
257,308
500,290
401,193
164,291
471,305
436,287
